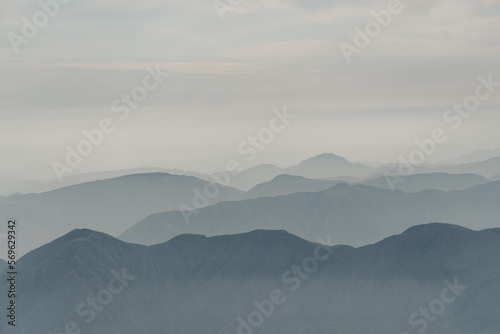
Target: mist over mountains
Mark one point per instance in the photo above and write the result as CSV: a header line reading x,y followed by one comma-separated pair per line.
x,y
110,205
250,167
261,260
495,178
437,181
352,214
116,204
288,184
486,168
194,284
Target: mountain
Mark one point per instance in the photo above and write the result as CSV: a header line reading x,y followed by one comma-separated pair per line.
x,y
111,205
39,186
353,214
327,166
252,176
486,168
436,277
438,181
288,184
495,177
323,166
476,156
3,265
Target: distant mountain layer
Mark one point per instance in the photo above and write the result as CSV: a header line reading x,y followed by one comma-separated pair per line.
x,y
486,168
288,184
420,182
329,165
3,265
475,156
111,205
323,166
433,278
496,178
37,186
352,214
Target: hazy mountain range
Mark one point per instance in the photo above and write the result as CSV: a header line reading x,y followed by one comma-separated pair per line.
x,y
486,168
288,184
436,278
38,186
495,177
352,214
437,181
323,166
111,205
480,155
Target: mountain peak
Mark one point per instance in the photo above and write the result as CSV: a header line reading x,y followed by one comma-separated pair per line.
x,y
287,177
85,233
430,233
324,158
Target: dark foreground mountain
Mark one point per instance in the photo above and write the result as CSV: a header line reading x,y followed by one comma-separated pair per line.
x,y
436,278
353,214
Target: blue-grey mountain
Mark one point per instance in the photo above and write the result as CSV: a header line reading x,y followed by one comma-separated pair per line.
x,y
352,214
437,278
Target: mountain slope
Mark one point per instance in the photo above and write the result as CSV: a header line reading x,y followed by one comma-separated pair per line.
x,y
323,166
495,177
438,181
252,176
327,166
288,184
111,205
38,186
486,168
194,284
352,214
480,155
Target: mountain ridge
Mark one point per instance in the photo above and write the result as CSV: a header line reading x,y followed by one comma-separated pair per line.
x,y
353,214
194,282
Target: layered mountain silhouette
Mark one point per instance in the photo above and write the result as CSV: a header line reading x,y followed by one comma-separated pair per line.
x,y
420,182
352,214
323,166
486,168
437,278
111,205
38,186
327,166
495,177
248,178
3,265
114,205
480,155
288,184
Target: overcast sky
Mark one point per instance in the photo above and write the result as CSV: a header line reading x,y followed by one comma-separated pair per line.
x,y
227,76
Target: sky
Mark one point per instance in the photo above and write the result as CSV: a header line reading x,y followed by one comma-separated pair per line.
x,y
225,78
